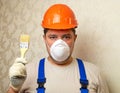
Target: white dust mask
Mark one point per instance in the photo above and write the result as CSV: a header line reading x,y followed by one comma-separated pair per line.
x,y
60,50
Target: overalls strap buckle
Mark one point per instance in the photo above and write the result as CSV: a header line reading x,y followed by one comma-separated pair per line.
x,y
84,83
41,83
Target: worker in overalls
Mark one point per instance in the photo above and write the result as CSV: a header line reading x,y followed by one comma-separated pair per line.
x,y
59,72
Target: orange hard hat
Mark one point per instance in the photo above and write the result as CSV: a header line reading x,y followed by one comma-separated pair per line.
x,y
59,16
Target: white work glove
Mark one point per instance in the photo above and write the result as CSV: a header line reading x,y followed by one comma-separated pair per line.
x,y
17,73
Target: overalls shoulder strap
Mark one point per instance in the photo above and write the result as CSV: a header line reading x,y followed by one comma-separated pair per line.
x,y
83,78
42,80
41,77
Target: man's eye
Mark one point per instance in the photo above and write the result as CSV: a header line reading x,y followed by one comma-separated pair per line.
x,y
66,37
52,37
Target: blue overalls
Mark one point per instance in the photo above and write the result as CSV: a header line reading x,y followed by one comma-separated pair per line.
x,y
42,80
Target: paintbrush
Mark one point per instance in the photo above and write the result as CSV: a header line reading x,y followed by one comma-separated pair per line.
x,y
24,44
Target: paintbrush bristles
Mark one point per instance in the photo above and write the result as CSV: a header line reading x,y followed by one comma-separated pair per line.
x,y
24,38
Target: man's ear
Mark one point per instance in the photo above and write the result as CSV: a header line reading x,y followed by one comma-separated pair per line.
x,y
75,37
44,37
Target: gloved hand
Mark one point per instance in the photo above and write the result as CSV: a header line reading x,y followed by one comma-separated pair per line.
x,y
17,73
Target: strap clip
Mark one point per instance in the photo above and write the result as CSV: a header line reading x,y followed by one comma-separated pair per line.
x,y
84,83
41,83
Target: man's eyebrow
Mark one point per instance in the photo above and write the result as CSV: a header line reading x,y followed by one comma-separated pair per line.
x,y
62,35
52,35
67,35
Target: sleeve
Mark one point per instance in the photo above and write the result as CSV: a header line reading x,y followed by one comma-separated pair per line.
x,y
102,86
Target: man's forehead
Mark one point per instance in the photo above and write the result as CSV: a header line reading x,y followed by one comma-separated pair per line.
x,y
60,31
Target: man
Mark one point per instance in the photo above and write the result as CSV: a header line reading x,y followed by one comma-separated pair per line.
x,y
59,72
